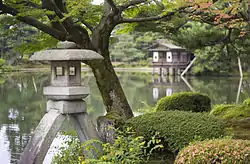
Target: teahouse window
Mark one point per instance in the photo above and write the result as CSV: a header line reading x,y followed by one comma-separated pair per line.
x,y
72,71
59,71
155,56
169,57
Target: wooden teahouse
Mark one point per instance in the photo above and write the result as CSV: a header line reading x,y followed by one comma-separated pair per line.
x,y
168,58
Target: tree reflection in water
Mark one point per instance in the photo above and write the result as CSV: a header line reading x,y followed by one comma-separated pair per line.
x,y
22,106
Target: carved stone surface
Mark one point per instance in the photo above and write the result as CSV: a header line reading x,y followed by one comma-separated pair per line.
x,y
67,78
85,128
67,107
86,131
66,93
35,151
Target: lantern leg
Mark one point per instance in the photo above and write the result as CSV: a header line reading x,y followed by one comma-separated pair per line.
x,y
87,131
45,132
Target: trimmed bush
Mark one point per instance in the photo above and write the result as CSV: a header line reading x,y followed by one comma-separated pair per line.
x,y
221,108
232,111
246,102
185,101
225,151
177,128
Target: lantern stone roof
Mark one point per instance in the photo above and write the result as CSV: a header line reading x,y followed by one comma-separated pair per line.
x,y
66,51
65,54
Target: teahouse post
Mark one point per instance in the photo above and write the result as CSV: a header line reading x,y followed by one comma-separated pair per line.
x,y
65,98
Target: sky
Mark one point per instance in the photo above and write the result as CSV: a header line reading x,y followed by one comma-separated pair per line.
x,y
97,1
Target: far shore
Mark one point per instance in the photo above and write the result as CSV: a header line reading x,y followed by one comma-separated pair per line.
x,y
117,69
46,69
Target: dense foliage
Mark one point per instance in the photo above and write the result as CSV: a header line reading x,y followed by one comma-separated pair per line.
x,y
177,128
125,149
231,111
230,14
71,152
185,101
13,36
216,49
133,46
224,151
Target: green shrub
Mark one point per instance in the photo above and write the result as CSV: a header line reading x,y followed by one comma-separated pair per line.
x,y
221,108
225,151
246,102
232,111
186,101
177,128
71,153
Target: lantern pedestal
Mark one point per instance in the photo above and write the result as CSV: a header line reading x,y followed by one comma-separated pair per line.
x,y
47,129
67,107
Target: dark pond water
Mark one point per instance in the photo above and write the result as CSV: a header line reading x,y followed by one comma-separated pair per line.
x,y
22,104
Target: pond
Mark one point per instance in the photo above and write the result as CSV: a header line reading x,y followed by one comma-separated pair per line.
x,y
22,103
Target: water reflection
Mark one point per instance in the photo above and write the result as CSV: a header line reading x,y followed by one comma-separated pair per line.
x,y
219,89
21,108
167,85
22,104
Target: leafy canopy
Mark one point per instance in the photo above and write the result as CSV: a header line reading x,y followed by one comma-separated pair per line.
x,y
60,21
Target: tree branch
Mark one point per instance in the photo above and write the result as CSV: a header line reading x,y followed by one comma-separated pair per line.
x,y
75,33
248,13
7,10
87,25
67,23
153,18
33,22
112,5
56,9
132,3
31,4
43,27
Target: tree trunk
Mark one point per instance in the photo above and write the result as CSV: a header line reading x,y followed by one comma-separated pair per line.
x,y
112,93
248,11
240,67
107,81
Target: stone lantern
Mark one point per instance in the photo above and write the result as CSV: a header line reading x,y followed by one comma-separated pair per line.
x,y
65,99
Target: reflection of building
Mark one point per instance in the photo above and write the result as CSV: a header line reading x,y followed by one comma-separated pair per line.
x,y
167,85
168,58
159,92
155,93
